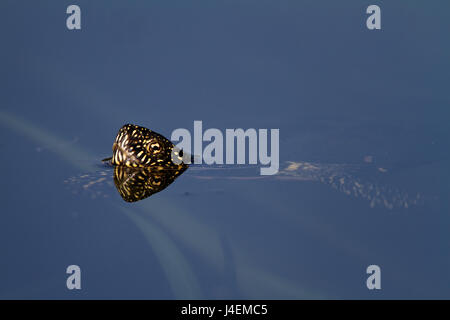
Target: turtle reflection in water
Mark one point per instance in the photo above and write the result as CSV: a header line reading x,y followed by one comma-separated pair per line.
x,y
135,184
142,161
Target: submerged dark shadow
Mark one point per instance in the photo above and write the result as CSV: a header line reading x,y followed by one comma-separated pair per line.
x,y
135,184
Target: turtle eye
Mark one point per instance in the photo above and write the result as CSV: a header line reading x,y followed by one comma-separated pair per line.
x,y
155,147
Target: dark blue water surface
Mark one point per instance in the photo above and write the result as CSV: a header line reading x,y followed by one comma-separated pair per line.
x,y
347,99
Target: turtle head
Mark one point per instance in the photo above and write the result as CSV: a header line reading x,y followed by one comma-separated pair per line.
x,y
137,146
